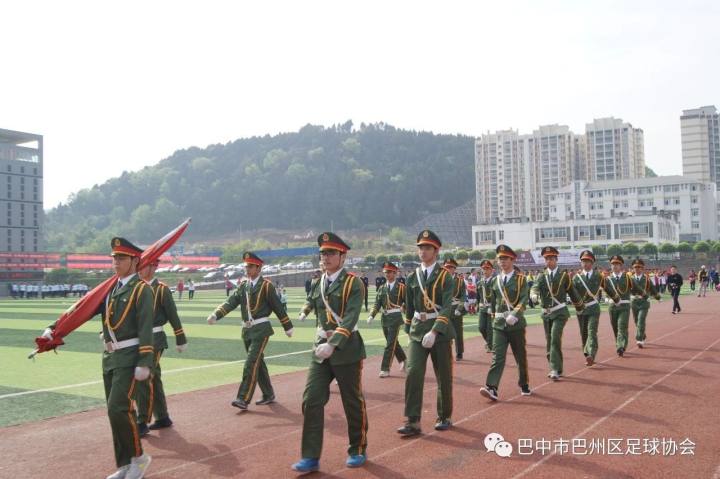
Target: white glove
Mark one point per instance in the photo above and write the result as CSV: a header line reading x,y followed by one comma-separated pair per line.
x,y
47,334
181,348
511,320
289,332
302,316
428,340
212,319
534,298
324,351
370,319
142,373
458,313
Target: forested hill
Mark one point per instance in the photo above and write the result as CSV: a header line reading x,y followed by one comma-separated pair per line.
x,y
364,178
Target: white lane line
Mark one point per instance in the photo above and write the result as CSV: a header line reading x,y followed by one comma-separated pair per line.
x,y
621,406
489,406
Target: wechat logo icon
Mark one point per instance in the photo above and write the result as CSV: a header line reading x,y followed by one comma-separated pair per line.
x,y
496,443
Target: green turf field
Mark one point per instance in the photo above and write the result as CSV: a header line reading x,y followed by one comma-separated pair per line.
x,y
71,381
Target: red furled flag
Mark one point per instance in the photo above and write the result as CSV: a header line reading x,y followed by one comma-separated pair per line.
x,y
87,306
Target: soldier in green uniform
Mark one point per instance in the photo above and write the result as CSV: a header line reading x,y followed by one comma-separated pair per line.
x,y
127,332
428,302
151,394
257,299
390,299
550,289
336,298
588,282
620,287
510,292
458,306
642,289
486,303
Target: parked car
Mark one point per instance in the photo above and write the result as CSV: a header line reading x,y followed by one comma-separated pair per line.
x,y
305,265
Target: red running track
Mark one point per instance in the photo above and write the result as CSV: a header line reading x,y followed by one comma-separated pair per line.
x,y
669,390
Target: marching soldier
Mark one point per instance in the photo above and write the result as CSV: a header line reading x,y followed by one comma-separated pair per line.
x,y
458,306
642,289
257,299
620,285
588,282
127,332
551,288
151,394
510,292
486,303
390,300
337,298
428,302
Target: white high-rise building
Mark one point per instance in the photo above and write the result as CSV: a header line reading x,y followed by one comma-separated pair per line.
x,y
615,150
550,166
700,134
500,177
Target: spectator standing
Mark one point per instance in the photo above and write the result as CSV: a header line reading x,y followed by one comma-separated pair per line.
x,y
180,288
675,282
191,288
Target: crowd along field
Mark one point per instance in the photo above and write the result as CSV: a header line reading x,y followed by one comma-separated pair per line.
x,y
71,381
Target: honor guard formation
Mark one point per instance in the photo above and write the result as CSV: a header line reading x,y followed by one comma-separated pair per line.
x,y
429,306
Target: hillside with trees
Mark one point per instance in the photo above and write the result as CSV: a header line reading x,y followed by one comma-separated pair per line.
x,y
365,178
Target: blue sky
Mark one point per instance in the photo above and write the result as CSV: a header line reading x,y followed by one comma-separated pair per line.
x,y
119,86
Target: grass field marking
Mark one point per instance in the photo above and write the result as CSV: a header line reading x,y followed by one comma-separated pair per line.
x,y
621,406
179,370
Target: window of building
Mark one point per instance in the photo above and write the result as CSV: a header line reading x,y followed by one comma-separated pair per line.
x,y
695,211
696,225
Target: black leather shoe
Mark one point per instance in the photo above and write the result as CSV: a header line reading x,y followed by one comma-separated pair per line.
x,y
443,424
240,404
620,352
265,401
458,356
161,423
409,429
143,429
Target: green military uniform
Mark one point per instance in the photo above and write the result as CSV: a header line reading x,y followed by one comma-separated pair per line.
x,y
390,300
642,289
486,307
257,300
337,328
588,285
510,293
151,394
127,332
458,313
620,287
428,302
552,288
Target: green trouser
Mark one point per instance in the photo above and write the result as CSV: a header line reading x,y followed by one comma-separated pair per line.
x,y
640,316
457,322
255,371
583,323
441,357
316,396
486,329
619,321
554,325
590,346
119,393
150,395
392,348
516,340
